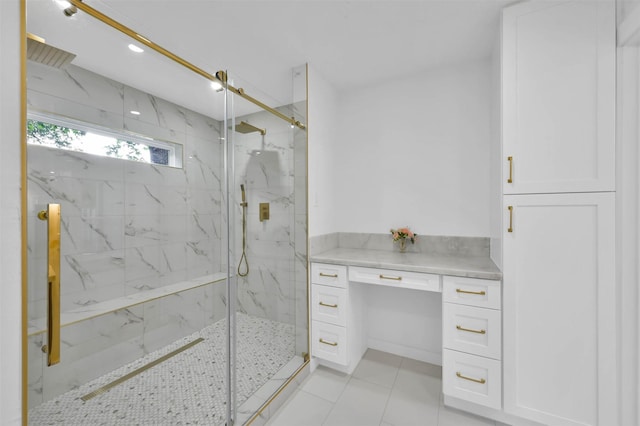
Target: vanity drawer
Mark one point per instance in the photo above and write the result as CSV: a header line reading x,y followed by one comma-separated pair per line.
x,y
329,304
393,278
326,274
472,378
473,330
329,342
471,291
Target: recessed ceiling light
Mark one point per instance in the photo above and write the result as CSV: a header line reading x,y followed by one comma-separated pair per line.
x,y
215,85
134,112
135,48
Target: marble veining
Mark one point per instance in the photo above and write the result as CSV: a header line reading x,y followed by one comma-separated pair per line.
x,y
460,266
322,243
142,244
101,308
426,244
276,248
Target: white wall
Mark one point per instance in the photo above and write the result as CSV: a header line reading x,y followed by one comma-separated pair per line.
x,y
415,152
323,150
10,275
627,226
495,165
626,7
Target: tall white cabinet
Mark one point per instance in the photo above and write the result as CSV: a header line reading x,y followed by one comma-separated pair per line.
x,y
558,98
558,153
559,309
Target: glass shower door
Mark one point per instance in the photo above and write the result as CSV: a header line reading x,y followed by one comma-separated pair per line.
x,y
127,275
269,212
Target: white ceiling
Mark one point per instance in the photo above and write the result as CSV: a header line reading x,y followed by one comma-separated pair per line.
x,y
353,44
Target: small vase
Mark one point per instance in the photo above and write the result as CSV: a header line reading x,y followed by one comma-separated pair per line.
x,y
403,246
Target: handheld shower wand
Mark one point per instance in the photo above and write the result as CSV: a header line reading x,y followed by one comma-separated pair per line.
x,y
244,196
243,258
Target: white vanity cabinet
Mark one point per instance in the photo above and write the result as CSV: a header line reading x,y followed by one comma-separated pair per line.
x,y
471,349
339,311
472,340
337,337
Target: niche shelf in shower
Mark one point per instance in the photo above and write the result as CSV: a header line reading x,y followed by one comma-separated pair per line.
x,y
101,308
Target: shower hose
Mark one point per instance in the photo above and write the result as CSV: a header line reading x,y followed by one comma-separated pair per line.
x,y
243,258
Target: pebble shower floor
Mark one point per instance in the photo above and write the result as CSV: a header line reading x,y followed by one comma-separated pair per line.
x,y
187,389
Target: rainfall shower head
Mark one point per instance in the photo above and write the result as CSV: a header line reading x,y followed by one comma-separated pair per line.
x,y
39,51
245,127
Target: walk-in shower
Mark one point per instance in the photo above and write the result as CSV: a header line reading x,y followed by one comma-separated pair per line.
x,y
157,322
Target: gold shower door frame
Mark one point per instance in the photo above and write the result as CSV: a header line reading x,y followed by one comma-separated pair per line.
x,y
219,77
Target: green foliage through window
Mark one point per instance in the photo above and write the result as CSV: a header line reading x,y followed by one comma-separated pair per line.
x,y
102,142
128,150
52,134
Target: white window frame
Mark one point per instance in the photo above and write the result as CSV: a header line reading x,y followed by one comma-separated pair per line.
x,y
175,149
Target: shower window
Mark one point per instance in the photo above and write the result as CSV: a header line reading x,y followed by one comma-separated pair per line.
x,y
73,135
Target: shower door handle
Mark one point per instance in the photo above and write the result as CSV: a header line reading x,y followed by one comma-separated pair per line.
x,y
52,348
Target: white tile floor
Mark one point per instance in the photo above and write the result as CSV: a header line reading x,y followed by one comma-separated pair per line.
x,y
384,390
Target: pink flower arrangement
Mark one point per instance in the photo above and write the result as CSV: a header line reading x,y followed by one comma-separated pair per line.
x,y
403,233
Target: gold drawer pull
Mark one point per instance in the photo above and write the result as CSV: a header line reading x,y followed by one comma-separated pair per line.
x,y
328,305
471,379
479,293
384,277
328,343
470,330
322,274
510,180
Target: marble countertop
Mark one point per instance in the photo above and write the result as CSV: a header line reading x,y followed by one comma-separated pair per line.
x,y
455,265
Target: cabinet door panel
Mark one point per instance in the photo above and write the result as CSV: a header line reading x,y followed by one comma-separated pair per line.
x,y
558,63
559,308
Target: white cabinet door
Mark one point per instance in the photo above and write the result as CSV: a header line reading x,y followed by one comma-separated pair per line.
x,y
558,97
559,319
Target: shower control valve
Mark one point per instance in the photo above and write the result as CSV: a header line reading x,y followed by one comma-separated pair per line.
x,y
264,212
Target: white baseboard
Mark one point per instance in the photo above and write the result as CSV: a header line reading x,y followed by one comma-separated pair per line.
x,y
405,351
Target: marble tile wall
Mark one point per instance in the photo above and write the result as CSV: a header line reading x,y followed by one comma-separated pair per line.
x,y
102,344
276,287
126,226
